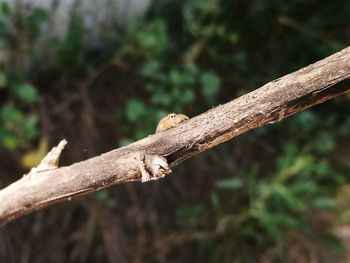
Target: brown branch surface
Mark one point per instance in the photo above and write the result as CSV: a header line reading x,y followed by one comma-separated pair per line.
x,y
147,159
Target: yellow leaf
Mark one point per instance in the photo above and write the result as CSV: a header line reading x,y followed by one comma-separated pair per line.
x,y
33,158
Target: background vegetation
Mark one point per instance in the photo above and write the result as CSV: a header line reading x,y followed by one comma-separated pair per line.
x,y
277,194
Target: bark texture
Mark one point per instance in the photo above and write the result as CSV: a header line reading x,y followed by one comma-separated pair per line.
x,y
148,159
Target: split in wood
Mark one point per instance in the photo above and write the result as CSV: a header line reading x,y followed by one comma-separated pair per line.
x,y
153,167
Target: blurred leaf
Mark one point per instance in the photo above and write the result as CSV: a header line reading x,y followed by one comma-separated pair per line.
x,y
292,200
28,127
215,201
302,187
232,183
26,92
5,9
322,168
300,163
150,68
324,202
15,128
10,142
151,38
234,38
9,114
135,110
33,158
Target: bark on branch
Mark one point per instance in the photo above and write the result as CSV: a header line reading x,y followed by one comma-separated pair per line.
x,y
148,158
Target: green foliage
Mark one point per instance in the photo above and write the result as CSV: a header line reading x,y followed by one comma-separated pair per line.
x,y
28,25
17,125
15,128
149,39
199,17
284,202
25,92
5,10
170,89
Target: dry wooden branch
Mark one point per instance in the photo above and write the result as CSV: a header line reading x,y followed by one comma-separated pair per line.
x,y
148,159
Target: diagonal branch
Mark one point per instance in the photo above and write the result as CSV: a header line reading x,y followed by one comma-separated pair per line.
x,y
148,158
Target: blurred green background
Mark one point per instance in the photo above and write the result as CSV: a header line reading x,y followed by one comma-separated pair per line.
x,y
279,193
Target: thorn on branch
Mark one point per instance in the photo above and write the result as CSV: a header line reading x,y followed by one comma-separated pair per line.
x,y
49,162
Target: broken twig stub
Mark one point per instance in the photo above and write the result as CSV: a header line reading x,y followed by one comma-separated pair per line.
x,y
49,162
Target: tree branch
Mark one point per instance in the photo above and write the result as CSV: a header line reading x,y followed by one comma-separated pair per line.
x,y
148,158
